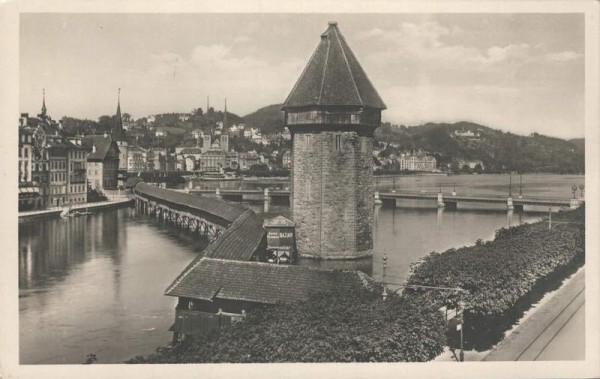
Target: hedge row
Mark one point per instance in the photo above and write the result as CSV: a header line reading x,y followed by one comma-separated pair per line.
x,y
498,273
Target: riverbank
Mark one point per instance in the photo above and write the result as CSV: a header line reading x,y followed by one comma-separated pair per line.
x,y
90,207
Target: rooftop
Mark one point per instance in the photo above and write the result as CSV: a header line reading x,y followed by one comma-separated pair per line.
x,y
333,77
210,279
211,205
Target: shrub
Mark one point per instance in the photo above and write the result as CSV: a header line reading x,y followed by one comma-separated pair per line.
x,y
344,325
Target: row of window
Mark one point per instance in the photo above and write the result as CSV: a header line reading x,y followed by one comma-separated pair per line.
x,y
78,154
24,152
306,142
366,117
58,165
26,138
58,177
57,190
77,188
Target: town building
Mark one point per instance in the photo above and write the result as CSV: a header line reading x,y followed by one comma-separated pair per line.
x,y
102,162
417,162
213,160
33,169
332,113
466,134
136,159
77,176
247,160
190,157
286,159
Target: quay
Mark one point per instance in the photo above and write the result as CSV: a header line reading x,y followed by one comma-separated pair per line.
x,y
56,211
554,331
395,198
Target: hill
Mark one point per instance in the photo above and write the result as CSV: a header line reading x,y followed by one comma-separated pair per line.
x,y
579,143
268,119
499,151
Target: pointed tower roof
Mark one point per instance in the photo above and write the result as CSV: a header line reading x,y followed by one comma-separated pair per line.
x,y
119,125
225,129
43,102
333,77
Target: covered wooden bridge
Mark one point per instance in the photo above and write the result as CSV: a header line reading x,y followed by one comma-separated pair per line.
x,y
208,216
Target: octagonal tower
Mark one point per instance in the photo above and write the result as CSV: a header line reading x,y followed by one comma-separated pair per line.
x,y
332,113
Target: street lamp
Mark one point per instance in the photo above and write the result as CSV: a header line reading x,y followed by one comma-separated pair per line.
x,y
509,184
461,307
574,189
384,259
520,186
581,187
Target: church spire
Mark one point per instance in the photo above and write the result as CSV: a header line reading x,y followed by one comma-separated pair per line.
x,y
225,129
119,122
43,114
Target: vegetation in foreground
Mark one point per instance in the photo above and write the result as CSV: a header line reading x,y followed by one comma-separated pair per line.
x,y
343,325
506,276
502,278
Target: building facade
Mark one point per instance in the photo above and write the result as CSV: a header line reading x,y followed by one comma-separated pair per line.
x,y
332,113
102,162
417,162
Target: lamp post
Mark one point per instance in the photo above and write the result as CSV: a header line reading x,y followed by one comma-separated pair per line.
x,y
581,187
509,184
520,186
461,306
574,189
461,309
384,259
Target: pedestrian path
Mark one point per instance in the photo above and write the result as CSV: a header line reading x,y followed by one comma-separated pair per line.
x,y
555,331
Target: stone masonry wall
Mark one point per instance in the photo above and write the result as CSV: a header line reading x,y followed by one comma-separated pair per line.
x,y
332,200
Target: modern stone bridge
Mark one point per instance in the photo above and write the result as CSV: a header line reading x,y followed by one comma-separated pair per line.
x,y
449,200
452,200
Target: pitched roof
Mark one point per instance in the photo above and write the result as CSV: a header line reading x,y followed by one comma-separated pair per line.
x,y
210,279
240,241
278,221
333,77
211,205
102,146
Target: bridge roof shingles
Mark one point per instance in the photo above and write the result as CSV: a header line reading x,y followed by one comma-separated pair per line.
x,y
211,279
217,207
240,241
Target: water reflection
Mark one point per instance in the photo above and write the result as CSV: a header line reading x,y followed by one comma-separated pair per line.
x,y
96,284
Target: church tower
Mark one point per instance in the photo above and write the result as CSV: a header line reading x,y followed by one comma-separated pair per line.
x,y
118,131
44,110
332,113
225,131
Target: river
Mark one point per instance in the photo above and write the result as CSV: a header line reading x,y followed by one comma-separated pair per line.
x,y
95,284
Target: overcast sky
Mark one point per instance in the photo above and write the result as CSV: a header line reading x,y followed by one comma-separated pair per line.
x,y
517,72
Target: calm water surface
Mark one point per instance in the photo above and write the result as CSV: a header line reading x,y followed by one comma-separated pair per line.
x,y
95,284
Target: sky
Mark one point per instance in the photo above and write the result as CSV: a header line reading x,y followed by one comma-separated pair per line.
x,y
521,73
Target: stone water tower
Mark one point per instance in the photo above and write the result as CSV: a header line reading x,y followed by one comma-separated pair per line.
x,y
332,113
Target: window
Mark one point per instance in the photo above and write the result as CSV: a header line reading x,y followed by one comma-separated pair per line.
x,y
308,141
338,142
